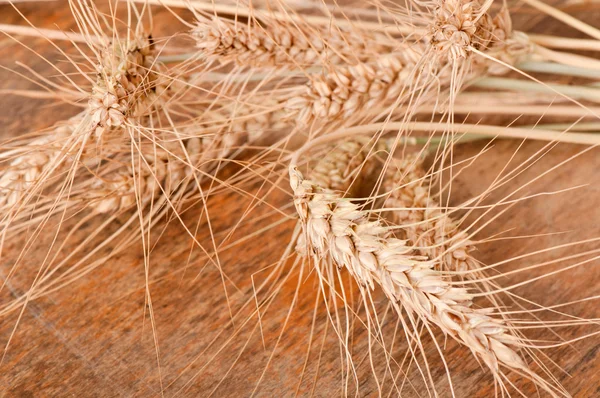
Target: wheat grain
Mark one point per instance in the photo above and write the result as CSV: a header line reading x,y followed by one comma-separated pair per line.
x,y
404,258
345,90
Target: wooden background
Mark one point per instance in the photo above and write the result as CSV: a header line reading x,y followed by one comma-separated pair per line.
x,y
93,337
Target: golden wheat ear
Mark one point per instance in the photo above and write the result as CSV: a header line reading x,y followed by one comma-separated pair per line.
x,y
127,84
267,42
433,233
413,276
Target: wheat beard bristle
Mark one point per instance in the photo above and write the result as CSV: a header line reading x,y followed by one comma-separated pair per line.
x,y
338,231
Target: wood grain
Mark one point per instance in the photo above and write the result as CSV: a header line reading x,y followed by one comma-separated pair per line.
x,y
94,337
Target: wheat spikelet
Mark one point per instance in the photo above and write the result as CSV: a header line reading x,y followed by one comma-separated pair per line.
x,y
458,24
338,231
339,168
433,233
251,122
506,45
119,190
277,44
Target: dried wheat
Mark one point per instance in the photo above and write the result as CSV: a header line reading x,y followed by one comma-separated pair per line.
x,y
254,120
456,30
163,169
346,90
340,168
279,45
338,231
433,233
127,85
121,189
129,81
25,169
461,26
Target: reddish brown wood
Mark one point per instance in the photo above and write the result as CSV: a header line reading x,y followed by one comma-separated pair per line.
x,y
93,337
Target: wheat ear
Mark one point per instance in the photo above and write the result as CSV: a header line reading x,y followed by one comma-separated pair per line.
x,y
29,164
250,122
345,90
162,170
120,189
276,44
343,167
456,31
461,26
128,83
338,231
434,233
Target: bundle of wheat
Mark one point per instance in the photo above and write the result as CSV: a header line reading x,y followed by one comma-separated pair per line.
x,y
356,96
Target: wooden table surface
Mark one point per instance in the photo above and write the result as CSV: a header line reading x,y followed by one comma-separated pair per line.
x,y
94,337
